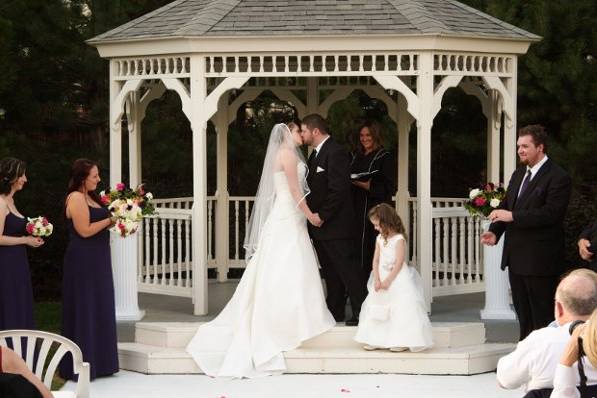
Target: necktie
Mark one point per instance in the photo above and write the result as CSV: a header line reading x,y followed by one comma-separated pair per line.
x,y
525,183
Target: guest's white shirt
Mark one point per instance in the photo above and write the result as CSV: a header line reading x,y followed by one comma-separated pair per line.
x,y
567,378
534,361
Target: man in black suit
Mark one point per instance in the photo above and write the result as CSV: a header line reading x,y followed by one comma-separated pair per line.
x,y
333,233
532,218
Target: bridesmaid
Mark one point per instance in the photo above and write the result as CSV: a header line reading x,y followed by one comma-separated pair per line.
x,y
16,295
88,312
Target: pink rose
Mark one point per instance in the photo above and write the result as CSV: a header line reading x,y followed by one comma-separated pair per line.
x,y
120,186
479,201
140,190
105,199
44,222
489,186
29,229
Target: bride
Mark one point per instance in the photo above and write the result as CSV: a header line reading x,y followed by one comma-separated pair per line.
x,y
279,301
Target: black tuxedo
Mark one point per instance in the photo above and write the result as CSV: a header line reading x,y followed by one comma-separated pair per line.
x,y
329,182
534,242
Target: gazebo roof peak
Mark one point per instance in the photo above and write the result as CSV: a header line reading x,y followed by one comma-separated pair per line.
x,y
233,18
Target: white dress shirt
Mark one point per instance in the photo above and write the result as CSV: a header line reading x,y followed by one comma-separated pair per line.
x,y
533,171
534,361
318,147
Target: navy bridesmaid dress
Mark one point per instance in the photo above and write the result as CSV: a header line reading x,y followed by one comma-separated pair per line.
x,y
16,294
88,309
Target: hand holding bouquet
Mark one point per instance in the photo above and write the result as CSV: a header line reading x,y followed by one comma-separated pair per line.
x,y
128,206
484,200
39,227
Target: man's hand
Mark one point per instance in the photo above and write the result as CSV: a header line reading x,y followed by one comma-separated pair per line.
x,y
488,238
501,215
583,249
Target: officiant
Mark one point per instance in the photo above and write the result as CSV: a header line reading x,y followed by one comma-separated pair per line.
x,y
373,175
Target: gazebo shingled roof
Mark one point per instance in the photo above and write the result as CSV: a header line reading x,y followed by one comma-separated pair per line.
x,y
196,18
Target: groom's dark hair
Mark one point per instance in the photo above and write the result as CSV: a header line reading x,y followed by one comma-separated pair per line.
x,y
314,120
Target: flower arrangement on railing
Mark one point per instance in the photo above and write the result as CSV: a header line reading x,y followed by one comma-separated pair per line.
x,y
39,227
485,199
129,206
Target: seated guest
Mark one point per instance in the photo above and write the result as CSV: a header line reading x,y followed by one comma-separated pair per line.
x,y
587,245
567,373
16,380
533,363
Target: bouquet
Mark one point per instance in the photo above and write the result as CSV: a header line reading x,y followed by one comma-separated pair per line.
x,y
39,227
129,206
484,200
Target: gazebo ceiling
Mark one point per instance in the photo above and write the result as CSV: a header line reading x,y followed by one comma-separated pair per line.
x,y
187,19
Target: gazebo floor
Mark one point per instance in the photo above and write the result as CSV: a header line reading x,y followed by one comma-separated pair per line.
x,y
464,344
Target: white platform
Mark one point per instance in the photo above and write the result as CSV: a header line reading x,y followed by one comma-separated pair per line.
x,y
460,349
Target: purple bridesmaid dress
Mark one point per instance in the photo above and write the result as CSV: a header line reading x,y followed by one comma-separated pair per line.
x,y
88,310
16,295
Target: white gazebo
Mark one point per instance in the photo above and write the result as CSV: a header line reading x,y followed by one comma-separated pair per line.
x,y
406,53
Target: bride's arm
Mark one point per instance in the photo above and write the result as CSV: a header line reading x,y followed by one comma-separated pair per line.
x,y
289,163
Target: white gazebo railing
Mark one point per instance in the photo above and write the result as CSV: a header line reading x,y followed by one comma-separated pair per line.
x,y
165,247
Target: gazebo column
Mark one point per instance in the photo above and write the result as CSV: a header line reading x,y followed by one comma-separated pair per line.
x,y
134,120
510,124
115,128
222,195
312,104
494,124
199,118
403,127
425,93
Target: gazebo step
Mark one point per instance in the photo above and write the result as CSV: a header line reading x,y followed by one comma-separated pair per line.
x,y
467,360
178,335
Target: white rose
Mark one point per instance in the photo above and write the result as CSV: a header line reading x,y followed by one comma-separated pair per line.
x,y
50,228
102,193
474,193
495,202
149,196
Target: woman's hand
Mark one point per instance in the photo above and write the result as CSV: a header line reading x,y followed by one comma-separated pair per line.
x,y
377,285
33,241
113,220
570,354
385,284
366,185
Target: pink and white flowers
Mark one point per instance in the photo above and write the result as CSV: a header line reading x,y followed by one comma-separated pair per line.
x,y
128,206
39,227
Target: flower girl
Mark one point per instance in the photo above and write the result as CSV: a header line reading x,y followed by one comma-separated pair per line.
x,y
394,314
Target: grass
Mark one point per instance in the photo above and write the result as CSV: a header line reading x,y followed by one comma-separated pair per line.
x,y
48,315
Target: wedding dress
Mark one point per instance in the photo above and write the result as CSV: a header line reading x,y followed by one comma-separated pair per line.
x,y
279,301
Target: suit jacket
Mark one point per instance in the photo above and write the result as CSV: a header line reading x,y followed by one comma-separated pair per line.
x,y
329,181
534,241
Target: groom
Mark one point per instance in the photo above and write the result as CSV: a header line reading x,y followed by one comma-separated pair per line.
x,y
333,231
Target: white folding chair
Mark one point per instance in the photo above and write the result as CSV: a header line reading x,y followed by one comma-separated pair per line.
x,y
38,344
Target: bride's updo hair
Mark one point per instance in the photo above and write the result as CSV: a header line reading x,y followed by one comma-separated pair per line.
x,y
293,124
388,219
10,170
